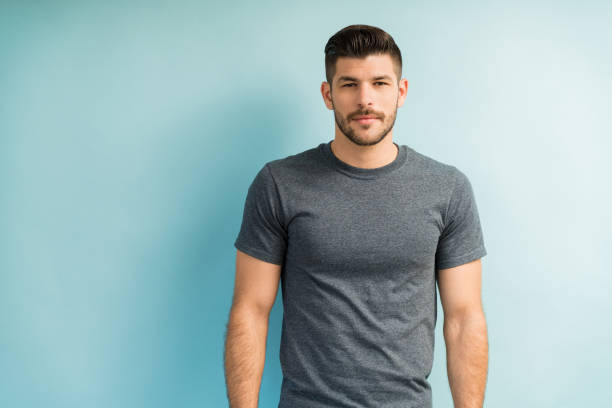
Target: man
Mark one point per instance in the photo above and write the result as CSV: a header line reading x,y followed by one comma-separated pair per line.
x,y
358,231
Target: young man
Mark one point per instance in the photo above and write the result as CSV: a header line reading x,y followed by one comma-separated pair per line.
x,y
358,231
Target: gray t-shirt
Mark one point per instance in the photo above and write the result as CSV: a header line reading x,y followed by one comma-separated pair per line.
x,y
359,249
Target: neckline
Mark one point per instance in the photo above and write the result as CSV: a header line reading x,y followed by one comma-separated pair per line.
x,y
363,173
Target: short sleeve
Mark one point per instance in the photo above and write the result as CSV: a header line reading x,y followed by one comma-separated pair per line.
x,y
262,234
461,240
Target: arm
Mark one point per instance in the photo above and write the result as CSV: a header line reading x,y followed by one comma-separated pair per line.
x,y
255,290
465,333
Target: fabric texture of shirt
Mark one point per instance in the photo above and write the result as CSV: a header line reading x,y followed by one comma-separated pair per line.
x,y
359,250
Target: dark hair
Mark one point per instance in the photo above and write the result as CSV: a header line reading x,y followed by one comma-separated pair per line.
x,y
359,41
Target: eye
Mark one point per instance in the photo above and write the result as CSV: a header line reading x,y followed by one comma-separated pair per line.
x,y
351,84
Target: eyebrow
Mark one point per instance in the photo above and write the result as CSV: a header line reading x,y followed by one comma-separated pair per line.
x,y
376,78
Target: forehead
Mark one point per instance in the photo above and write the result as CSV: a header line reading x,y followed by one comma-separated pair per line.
x,y
364,68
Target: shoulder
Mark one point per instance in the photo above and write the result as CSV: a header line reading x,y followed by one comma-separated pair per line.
x,y
296,167
295,160
440,172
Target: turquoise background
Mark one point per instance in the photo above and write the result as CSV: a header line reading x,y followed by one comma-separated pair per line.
x,y
130,132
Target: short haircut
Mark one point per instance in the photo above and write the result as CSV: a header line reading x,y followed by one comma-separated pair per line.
x,y
360,41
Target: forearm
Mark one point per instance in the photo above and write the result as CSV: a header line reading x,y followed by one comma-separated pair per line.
x,y
467,354
244,358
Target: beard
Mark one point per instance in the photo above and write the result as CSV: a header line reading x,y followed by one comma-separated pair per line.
x,y
351,128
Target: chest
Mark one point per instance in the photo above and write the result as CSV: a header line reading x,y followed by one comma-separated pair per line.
x,y
365,229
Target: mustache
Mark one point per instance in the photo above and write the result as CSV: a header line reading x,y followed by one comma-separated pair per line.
x,y
366,113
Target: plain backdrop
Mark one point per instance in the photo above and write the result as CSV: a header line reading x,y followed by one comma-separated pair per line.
x,y
130,132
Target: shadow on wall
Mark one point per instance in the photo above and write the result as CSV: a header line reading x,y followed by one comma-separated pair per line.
x,y
209,163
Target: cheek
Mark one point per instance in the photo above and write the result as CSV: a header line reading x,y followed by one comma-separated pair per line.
x,y
340,103
341,108
390,107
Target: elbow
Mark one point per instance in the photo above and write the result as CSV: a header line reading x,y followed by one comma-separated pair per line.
x,y
473,320
251,310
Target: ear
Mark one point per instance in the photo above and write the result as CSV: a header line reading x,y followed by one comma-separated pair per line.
x,y
326,93
403,90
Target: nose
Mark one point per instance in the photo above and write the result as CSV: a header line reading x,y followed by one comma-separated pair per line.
x,y
365,96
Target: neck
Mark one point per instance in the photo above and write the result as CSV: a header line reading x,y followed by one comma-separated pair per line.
x,y
366,157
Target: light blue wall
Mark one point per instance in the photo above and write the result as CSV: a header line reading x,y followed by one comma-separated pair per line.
x,y
130,133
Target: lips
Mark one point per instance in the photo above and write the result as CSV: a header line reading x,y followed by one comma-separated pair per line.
x,y
365,120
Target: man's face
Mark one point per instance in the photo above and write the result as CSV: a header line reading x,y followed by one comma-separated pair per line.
x,y
365,87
